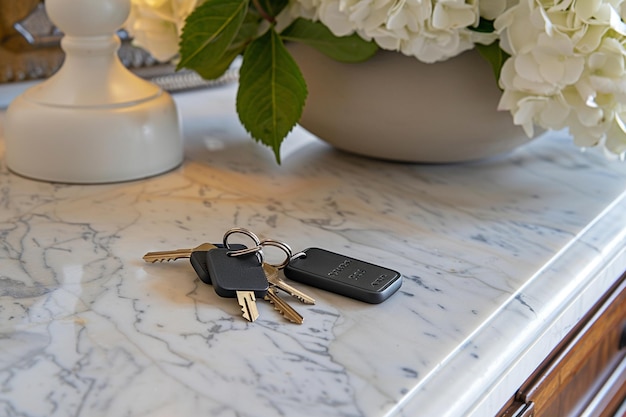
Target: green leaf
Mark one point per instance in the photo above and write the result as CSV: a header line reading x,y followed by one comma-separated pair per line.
x,y
273,7
272,91
249,29
494,55
345,48
207,35
247,32
484,26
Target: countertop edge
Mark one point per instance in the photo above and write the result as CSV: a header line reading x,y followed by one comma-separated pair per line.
x,y
487,385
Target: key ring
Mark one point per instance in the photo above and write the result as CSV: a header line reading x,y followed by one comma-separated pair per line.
x,y
257,248
297,255
281,245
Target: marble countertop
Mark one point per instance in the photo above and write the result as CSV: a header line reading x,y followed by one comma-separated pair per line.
x,y
500,258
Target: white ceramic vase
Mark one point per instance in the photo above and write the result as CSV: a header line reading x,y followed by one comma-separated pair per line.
x,y
93,121
397,108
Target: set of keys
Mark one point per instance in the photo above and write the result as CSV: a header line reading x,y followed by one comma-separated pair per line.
x,y
238,271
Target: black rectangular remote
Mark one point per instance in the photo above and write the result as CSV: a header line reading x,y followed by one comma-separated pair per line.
x,y
344,275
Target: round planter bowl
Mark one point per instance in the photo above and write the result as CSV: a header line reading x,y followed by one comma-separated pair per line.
x,y
397,108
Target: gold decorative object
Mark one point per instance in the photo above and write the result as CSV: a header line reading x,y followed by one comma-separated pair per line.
x,y
30,45
21,60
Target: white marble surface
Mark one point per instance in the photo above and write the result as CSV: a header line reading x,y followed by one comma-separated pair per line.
x,y
500,258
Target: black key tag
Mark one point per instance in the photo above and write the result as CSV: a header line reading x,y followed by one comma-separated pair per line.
x,y
233,274
198,261
343,275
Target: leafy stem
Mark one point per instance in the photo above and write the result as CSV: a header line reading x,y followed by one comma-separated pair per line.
x,y
263,13
272,91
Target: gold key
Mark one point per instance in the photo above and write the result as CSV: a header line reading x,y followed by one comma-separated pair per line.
x,y
273,277
172,255
247,302
282,307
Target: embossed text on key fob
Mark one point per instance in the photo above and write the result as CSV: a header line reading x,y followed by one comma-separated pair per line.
x,y
343,275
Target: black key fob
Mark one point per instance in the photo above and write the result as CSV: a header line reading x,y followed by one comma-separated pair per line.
x,y
234,275
198,261
343,275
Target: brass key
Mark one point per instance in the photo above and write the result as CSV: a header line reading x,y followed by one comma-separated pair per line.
x,y
172,255
273,277
282,307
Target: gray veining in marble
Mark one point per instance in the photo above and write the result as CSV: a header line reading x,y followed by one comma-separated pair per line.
x,y
88,329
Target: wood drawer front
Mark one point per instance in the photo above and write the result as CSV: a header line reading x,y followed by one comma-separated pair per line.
x,y
587,372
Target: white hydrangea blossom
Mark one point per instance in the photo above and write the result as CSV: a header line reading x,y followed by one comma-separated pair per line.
x,y
567,68
156,25
568,57
430,30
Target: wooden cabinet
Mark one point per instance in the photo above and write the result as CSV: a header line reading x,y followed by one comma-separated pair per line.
x,y
586,374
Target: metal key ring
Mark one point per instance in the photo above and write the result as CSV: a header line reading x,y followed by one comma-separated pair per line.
x,y
257,248
297,255
281,245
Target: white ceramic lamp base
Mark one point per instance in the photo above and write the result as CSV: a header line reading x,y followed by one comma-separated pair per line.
x,y
93,121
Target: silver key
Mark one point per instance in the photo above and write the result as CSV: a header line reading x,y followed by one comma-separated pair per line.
x,y
273,277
